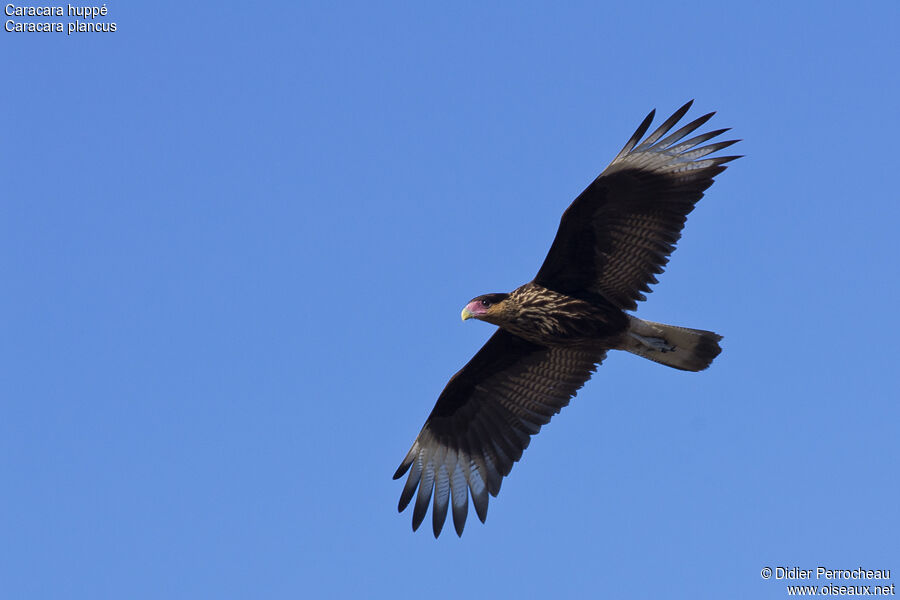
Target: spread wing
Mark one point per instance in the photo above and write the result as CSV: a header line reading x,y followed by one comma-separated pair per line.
x,y
619,232
482,422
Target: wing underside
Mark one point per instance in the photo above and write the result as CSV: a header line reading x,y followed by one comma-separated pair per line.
x,y
618,234
483,421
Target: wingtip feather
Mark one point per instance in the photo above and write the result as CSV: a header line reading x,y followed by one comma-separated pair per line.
x,y
666,126
637,135
403,468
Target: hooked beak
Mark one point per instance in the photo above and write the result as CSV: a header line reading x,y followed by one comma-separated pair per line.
x,y
466,314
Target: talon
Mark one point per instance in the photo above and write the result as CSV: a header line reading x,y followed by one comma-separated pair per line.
x,y
654,343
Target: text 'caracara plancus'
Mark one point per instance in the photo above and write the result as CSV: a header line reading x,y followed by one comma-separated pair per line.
x,y
554,331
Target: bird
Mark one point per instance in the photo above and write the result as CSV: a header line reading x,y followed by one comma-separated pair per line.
x,y
554,331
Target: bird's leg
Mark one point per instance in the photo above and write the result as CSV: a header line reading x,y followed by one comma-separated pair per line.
x,y
653,343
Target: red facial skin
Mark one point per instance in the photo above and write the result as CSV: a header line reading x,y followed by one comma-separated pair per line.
x,y
475,308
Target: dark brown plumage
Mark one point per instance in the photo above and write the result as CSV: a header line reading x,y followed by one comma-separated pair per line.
x,y
556,329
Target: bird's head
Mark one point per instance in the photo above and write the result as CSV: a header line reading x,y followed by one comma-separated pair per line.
x,y
488,307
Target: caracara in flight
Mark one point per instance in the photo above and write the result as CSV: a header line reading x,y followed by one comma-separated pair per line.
x,y
555,330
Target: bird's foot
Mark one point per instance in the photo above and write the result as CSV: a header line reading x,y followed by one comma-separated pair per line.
x,y
653,343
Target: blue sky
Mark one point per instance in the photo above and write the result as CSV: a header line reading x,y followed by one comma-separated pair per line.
x,y
235,241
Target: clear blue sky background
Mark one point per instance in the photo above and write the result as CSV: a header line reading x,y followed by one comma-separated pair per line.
x,y
235,240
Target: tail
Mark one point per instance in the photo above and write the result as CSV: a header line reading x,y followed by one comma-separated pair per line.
x,y
677,347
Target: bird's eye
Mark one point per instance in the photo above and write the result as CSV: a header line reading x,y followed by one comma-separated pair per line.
x,y
485,303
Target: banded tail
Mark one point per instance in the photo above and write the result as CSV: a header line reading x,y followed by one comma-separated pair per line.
x,y
676,347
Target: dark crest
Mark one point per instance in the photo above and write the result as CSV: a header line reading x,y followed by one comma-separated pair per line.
x,y
490,299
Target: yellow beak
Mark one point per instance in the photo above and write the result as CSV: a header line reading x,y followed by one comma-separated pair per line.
x,y
466,314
